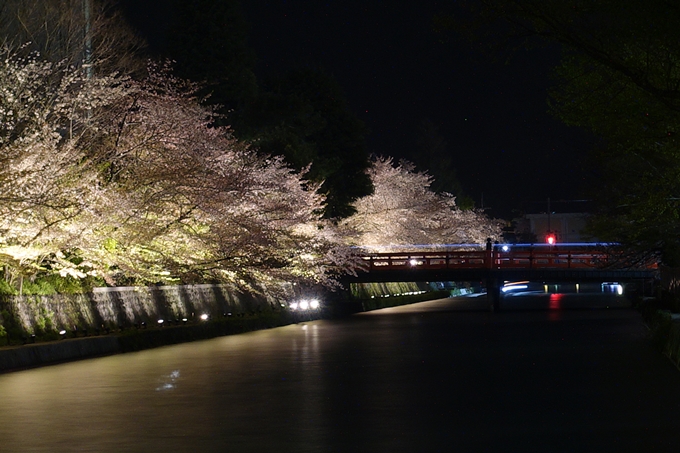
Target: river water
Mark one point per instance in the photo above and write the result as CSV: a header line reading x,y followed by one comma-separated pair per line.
x,y
437,376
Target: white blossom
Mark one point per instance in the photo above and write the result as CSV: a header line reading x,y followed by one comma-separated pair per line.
x,y
403,211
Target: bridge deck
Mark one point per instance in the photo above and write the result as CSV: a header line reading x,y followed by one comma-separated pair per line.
x,y
530,259
541,264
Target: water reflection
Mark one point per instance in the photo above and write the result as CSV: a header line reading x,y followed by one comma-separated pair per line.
x,y
428,377
169,381
233,390
567,300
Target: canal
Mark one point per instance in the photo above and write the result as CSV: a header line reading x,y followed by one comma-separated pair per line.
x,y
575,373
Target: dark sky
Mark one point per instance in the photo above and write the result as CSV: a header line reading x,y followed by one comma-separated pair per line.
x,y
396,72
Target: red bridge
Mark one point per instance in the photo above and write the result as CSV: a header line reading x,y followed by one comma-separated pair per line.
x,y
492,259
502,262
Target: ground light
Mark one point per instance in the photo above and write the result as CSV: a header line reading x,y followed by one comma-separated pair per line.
x,y
305,305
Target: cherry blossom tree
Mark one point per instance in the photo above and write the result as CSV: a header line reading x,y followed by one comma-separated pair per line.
x,y
193,203
46,184
403,210
129,177
132,179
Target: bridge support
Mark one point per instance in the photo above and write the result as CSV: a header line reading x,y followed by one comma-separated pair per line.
x,y
493,293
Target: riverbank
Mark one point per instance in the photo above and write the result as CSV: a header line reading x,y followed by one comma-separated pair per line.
x,y
138,338
84,345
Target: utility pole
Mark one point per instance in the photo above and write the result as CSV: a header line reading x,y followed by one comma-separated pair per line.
x,y
87,53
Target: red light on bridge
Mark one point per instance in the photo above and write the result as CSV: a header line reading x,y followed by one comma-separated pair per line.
x,y
550,239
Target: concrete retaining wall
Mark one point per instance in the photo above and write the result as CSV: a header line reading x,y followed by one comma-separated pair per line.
x,y
111,308
126,318
135,339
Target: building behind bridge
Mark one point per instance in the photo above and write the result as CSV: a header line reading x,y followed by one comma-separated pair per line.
x,y
535,228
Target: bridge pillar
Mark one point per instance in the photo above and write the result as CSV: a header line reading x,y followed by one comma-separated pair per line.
x,y
493,293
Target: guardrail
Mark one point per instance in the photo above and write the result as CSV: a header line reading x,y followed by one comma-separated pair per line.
x,y
492,259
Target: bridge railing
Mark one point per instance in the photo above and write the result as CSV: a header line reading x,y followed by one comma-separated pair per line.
x,y
493,259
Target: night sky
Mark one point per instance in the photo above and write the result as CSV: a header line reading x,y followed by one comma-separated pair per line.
x,y
396,71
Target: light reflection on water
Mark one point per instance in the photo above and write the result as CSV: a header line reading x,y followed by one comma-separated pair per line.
x,y
379,381
169,381
180,398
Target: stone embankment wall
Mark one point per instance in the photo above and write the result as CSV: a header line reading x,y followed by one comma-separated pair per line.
x,y
115,320
122,319
30,355
121,307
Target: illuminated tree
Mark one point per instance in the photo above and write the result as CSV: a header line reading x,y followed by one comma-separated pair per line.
x,y
193,203
403,210
129,178
304,117
46,184
301,114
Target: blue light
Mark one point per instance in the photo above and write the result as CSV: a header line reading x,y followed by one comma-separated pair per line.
x,y
505,289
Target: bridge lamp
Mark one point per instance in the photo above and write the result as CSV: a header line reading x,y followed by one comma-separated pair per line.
x,y
550,239
505,248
